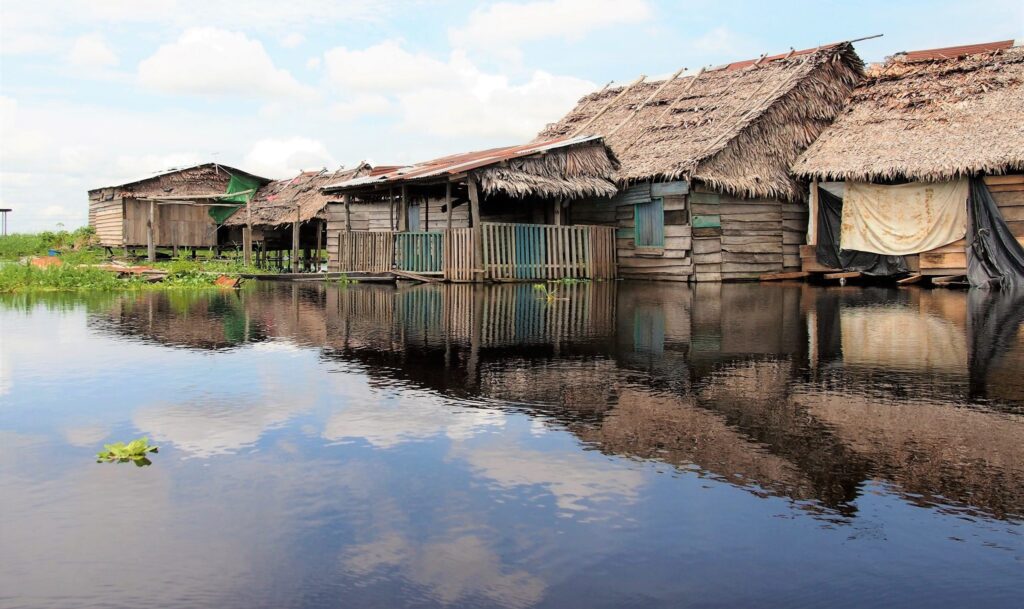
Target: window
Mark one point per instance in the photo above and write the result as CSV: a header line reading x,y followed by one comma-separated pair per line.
x,y
649,224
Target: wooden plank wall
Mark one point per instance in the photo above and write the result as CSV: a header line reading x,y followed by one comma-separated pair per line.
x,y
750,238
182,225
107,217
671,263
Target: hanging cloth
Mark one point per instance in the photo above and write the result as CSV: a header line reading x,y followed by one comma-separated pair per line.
x,y
235,184
830,214
903,219
995,259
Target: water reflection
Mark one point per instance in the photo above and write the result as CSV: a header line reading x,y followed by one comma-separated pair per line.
x,y
473,445
801,392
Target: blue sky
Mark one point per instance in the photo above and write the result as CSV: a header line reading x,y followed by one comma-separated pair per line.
x,y
94,92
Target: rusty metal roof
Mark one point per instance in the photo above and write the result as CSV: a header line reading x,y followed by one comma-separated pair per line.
x,y
953,52
455,164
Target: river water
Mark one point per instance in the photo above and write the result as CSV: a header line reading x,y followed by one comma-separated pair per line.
x,y
618,445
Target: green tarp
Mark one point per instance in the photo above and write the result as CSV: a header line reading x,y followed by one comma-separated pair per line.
x,y
235,184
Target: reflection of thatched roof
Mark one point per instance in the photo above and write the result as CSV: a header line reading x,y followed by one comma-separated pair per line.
x,y
929,116
565,167
736,127
275,203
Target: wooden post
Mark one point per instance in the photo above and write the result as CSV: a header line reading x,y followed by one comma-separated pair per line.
x,y
392,224
812,216
247,234
403,210
557,216
426,213
295,241
150,236
319,242
448,202
348,213
478,234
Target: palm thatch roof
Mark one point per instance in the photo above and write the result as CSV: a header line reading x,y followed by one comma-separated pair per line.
x,y
201,179
929,115
569,168
275,204
736,127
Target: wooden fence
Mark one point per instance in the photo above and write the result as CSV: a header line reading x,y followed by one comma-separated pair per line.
x,y
418,252
494,251
366,252
517,252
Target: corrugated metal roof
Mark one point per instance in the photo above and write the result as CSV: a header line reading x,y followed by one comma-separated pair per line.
x,y
739,65
457,163
952,52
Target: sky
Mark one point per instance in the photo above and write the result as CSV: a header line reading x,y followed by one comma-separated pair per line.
x,y
100,92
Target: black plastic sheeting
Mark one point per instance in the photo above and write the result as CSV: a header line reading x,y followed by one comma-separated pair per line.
x,y
993,326
995,259
828,252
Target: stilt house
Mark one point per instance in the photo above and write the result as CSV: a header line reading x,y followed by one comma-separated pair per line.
x,y
705,189
496,215
900,179
288,218
183,207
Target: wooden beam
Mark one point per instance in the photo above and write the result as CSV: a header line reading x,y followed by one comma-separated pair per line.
x,y
448,202
784,276
910,280
217,195
403,210
247,234
319,242
474,203
843,275
295,240
346,201
150,236
478,234
812,216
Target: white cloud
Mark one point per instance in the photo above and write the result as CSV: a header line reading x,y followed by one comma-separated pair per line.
x,y
504,25
385,67
451,98
361,105
282,157
724,44
91,51
211,61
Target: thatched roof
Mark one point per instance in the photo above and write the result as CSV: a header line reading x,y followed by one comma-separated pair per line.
x,y
275,203
736,127
201,179
565,168
929,115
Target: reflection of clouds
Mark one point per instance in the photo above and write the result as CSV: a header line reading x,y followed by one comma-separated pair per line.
x,y
86,436
214,426
5,372
571,477
409,417
458,568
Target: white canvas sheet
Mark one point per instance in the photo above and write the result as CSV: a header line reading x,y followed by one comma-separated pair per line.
x,y
903,219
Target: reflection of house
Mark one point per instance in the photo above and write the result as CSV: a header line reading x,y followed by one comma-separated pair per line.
x,y
893,167
495,214
185,207
707,193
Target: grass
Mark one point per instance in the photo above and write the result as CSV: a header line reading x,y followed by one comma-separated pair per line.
x,y
19,245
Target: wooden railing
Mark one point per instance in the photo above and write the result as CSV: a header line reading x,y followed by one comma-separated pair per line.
x,y
517,252
418,252
494,251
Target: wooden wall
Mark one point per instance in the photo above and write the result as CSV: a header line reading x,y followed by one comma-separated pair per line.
x,y
107,217
181,225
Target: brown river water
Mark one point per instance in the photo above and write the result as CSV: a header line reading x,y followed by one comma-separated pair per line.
x,y
619,445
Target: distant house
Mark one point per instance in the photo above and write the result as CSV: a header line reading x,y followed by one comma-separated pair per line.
x,y
279,206
706,192
890,175
488,215
186,207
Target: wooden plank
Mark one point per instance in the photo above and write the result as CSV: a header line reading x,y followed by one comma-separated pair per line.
x,y
661,189
712,198
843,275
707,221
910,280
1012,214
954,260
784,276
1006,179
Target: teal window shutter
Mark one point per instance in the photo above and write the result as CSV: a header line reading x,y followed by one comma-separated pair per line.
x,y
649,223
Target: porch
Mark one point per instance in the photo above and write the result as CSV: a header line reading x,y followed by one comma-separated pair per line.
x,y
494,251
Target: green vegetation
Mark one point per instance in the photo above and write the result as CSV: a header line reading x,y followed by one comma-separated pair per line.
x,y
549,293
19,245
134,451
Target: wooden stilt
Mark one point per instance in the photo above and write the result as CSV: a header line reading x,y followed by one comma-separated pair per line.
x,y
295,241
150,233
448,202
